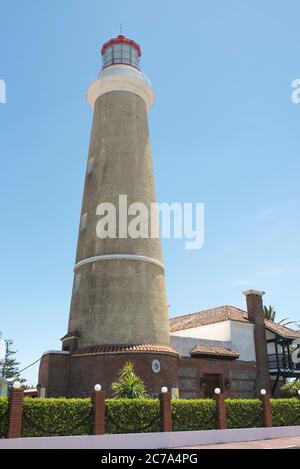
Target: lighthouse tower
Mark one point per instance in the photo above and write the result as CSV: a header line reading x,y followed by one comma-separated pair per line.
x,y
118,308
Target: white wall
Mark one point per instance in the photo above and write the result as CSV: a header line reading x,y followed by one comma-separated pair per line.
x,y
271,347
242,338
184,345
240,334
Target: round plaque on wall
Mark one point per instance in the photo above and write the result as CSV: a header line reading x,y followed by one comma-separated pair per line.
x,y
156,366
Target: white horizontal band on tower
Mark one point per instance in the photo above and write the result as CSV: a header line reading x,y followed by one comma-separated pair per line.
x,y
108,257
121,78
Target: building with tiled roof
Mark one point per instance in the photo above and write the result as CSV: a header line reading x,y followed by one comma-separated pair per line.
x,y
239,350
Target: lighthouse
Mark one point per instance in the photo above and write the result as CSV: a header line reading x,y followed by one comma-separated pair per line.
x,y
118,307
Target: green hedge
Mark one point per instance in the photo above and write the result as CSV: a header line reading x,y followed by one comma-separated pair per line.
x,y
194,414
54,417
3,416
132,415
244,413
285,412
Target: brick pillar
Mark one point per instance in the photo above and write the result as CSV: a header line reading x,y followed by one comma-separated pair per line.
x,y
267,410
221,411
15,413
257,317
166,411
98,401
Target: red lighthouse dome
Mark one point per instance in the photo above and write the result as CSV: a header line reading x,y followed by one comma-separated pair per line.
x,y
121,50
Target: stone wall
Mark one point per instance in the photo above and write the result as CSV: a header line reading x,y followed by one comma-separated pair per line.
x,y
240,375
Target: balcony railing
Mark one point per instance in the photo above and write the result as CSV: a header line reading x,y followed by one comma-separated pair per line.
x,y
284,362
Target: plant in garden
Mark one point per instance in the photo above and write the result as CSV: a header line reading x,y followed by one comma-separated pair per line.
x,y
3,416
129,385
10,366
291,389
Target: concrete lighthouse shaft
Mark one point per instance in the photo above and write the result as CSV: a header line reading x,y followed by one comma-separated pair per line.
x,y
119,288
118,308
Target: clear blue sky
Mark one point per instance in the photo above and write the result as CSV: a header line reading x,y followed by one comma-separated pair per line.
x,y
224,132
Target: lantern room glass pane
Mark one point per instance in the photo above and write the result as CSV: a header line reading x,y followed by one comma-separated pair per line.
x,y
121,53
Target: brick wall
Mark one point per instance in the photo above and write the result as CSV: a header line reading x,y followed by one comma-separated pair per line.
x,y
241,375
75,376
54,374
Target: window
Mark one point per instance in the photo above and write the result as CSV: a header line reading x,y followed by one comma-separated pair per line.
x,y
90,165
77,283
134,57
83,222
121,54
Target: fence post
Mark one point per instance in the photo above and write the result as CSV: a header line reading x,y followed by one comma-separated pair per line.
x,y
165,410
98,401
15,411
267,409
221,409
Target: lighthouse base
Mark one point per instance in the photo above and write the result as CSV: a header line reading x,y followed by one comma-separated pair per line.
x,y
65,374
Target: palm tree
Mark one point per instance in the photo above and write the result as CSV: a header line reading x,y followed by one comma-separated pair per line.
x,y
129,385
270,314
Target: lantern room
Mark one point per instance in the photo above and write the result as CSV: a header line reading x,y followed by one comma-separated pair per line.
x,y
121,50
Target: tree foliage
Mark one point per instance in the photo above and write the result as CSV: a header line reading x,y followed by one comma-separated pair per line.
x,y
270,313
129,385
291,389
10,366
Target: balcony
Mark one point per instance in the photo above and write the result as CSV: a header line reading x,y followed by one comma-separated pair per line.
x,y
283,363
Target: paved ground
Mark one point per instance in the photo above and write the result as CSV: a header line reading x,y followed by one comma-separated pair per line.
x,y
277,443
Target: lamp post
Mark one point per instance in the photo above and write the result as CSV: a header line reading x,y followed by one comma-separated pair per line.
x,y
221,409
267,410
98,400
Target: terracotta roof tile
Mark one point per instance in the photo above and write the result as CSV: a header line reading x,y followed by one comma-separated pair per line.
x,y
225,313
281,330
214,351
210,316
117,348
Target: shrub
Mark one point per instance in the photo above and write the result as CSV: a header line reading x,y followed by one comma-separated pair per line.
x,y
132,415
129,385
244,413
194,414
54,417
285,412
3,416
291,389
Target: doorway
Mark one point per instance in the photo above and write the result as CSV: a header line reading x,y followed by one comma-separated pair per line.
x,y
212,381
